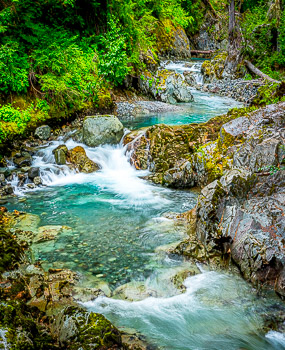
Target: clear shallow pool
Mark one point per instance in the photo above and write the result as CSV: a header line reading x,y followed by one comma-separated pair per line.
x,y
116,218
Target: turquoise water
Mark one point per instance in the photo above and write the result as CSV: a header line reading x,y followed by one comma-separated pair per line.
x,y
204,107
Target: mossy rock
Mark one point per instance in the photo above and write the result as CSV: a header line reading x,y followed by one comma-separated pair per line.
x,y
21,331
79,328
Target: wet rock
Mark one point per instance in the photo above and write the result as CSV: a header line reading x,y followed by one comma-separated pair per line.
x,y
6,190
33,172
79,328
37,181
22,159
43,132
167,86
102,129
133,291
77,156
60,154
49,232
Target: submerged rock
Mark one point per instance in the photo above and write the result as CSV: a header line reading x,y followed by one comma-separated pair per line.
x,y
77,156
43,132
133,291
49,232
102,129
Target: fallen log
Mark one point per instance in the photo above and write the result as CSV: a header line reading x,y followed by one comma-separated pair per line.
x,y
207,52
258,72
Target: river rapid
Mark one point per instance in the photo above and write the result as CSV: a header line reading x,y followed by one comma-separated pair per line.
x,y
120,228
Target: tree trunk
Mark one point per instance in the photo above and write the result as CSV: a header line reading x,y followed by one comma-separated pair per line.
x,y
234,51
232,19
258,72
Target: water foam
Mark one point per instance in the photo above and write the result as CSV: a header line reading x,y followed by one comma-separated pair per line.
x,y
116,175
215,312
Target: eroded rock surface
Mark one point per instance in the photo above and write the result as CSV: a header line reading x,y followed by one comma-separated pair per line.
x,y
166,86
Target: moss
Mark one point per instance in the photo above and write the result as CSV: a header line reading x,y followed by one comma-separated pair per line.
x,y
10,250
23,333
214,68
92,329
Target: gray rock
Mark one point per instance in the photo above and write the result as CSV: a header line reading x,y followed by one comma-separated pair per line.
x,y
102,129
33,172
43,132
167,86
23,159
60,154
235,128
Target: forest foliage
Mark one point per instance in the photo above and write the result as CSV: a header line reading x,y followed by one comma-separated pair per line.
x,y
58,57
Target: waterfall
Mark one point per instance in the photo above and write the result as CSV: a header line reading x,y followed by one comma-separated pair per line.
x,y
116,175
181,67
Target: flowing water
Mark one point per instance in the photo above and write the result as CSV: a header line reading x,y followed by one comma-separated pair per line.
x,y
119,230
204,107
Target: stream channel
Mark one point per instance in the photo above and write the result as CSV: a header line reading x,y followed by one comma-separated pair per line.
x,y
120,226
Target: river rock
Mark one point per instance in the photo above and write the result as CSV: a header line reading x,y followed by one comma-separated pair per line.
x,y
60,154
77,156
37,181
22,159
43,132
234,128
102,129
33,172
49,232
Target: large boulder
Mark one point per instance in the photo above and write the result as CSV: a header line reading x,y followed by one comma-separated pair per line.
x,y
77,156
43,132
172,41
102,129
167,86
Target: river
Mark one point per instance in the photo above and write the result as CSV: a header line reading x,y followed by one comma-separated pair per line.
x,y
120,228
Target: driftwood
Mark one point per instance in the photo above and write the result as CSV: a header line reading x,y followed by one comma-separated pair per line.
x,y
258,72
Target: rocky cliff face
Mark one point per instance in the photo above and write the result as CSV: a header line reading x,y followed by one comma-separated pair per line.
x,y
240,211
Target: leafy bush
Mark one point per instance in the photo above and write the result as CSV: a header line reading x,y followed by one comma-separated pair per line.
x,y
113,59
14,121
14,69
